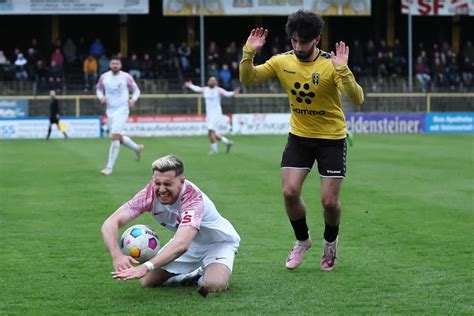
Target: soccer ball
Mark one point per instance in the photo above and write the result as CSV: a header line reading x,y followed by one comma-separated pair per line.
x,y
140,242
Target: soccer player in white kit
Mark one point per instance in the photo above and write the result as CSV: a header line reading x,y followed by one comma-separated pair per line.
x,y
212,96
203,240
113,90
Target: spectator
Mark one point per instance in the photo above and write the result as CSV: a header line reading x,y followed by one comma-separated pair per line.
x,y
58,57
70,51
90,72
213,71
357,57
371,57
234,70
225,77
55,76
41,74
381,65
438,72
422,73
103,64
213,53
20,67
97,48
147,67
3,64
452,73
183,54
171,58
468,51
82,52
135,67
467,69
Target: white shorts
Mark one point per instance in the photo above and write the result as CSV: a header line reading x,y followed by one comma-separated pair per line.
x,y
194,258
116,123
213,121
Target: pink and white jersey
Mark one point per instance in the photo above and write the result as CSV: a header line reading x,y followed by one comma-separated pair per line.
x,y
116,88
193,208
213,97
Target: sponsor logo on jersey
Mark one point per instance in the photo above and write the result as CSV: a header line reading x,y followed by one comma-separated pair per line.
x,y
306,111
188,217
289,71
302,93
315,78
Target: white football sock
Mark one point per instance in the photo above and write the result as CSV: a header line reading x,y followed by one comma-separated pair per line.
x,y
113,153
214,147
128,142
201,281
225,140
182,278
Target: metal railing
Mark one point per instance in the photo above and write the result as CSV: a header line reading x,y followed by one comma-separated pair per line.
x,y
154,104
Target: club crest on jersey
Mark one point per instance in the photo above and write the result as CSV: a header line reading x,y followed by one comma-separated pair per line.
x,y
315,78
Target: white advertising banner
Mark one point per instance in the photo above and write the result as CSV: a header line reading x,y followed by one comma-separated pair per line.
x,y
172,125
258,124
9,7
438,7
266,7
84,127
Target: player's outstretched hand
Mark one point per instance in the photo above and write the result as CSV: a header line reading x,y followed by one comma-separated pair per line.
x,y
257,38
103,100
137,272
123,262
342,54
237,90
188,84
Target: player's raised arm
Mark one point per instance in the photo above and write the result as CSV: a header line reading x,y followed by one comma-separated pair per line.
x,y
228,94
345,80
190,85
248,73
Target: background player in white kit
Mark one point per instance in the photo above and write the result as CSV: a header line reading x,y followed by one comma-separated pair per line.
x,y
113,90
212,95
203,238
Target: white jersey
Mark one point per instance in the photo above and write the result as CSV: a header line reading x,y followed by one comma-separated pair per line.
x,y
193,208
116,88
213,96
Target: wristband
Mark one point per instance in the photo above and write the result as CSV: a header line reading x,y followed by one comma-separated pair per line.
x,y
149,265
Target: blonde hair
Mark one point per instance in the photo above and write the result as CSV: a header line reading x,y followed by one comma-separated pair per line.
x,y
168,163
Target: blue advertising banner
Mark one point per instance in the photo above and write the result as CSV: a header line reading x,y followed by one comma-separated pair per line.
x,y
13,108
385,123
448,123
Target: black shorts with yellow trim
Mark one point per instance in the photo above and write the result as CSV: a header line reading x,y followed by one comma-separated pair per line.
x,y
302,152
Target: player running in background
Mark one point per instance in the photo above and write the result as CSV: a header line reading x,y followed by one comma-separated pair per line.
x,y
313,80
212,96
203,238
55,115
113,90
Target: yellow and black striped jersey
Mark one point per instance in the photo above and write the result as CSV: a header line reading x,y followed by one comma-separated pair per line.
x,y
313,88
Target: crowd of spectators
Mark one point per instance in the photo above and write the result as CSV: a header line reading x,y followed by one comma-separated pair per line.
x,y
434,66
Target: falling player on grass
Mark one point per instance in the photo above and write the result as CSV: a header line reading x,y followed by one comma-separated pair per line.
x,y
203,241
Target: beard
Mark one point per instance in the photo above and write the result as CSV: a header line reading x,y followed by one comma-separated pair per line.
x,y
304,55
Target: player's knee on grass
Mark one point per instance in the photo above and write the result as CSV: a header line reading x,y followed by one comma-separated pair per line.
x,y
216,277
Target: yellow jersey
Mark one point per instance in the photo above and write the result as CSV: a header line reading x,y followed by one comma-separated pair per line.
x,y
313,88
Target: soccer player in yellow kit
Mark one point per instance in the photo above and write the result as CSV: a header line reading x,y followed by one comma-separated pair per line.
x,y
314,81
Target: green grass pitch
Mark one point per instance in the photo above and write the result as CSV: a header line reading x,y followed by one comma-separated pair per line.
x,y
406,241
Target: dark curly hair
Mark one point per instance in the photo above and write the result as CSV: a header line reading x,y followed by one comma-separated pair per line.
x,y
305,24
